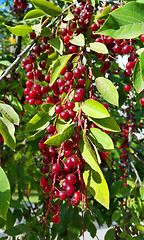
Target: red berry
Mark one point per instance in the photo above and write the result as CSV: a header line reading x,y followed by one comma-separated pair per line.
x,y
56,219
62,195
77,97
31,102
74,160
64,115
44,169
127,88
55,209
46,160
63,31
105,105
94,27
29,84
77,196
142,37
58,109
71,179
68,76
44,181
70,105
77,73
66,39
130,65
68,145
103,156
126,49
56,168
74,203
47,189
72,49
50,129
70,190
142,101
32,35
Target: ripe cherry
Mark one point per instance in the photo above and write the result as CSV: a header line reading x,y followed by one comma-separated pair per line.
x,y
55,209
56,168
142,101
142,37
44,181
74,203
70,190
71,179
32,35
68,145
77,196
127,88
47,189
56,219
62,195
50,129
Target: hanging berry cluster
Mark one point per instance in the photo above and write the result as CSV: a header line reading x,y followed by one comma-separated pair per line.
x,y
69,96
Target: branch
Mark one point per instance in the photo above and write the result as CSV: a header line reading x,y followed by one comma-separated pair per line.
x,y
138,158
20,56
136,173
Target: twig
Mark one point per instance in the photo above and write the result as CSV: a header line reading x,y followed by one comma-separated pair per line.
x,y
138,158
136,173
20,56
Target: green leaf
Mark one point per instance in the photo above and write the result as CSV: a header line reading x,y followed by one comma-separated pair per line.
x,y
108,90
5,63
20,30
7,130
116,215
96,185
139,51
7,111
34,14
38,122
124,192
17,230
58,66
93,176
110,234
46,107
51,60
140,228
94,109
123,23
4,194
48,7
141,189
61,124
102,138
104,13
115,188
69,17
46,32
141,61
106,124
59,138
79,40
35,136
87,146
57,44
137,77
99,47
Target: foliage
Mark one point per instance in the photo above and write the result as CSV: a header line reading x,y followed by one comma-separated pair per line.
x,y
55,122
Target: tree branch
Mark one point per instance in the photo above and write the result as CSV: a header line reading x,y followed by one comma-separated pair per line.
x,y
20,56
136,173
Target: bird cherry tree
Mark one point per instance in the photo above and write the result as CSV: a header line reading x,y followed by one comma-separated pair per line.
x,y
81,114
